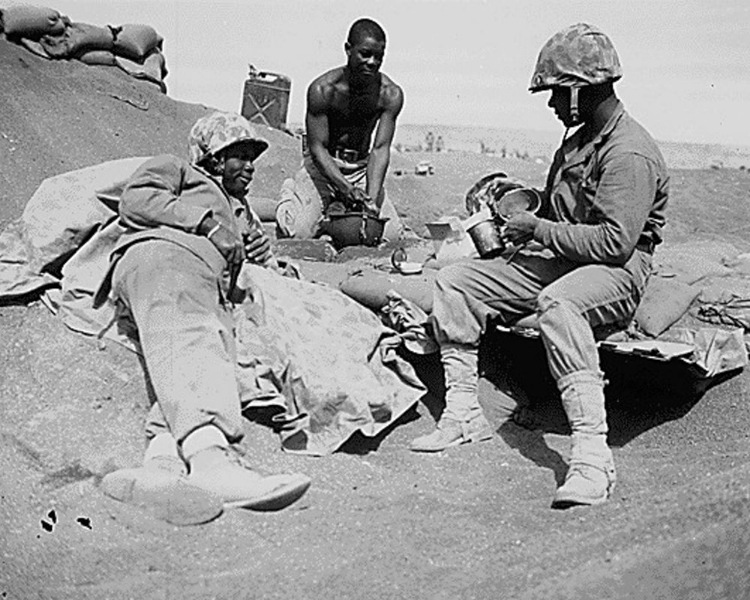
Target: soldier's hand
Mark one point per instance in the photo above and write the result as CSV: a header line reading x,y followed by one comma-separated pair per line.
x,y
257,247
520,228
226,242
357,197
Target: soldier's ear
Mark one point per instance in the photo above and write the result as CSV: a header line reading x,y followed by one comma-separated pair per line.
x,y
214,164
347,48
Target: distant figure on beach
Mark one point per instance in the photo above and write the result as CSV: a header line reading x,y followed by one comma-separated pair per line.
x,y
585,263
351,121
439,144
429,141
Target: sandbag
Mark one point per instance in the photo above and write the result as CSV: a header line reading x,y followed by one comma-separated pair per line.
x,y
265,208
716,351
299,210
153,68
77,39
135,42
34,47
664,301
371,288
28,21
98,57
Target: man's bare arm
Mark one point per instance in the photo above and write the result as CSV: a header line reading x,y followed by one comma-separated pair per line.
x,y
380,155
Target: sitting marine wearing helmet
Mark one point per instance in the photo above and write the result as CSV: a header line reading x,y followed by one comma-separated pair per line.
x,y
584,261
188,228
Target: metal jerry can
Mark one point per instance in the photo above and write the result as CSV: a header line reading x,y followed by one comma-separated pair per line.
x,y
266,98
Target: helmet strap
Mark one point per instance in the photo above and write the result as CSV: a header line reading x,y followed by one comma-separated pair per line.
x,y
575,117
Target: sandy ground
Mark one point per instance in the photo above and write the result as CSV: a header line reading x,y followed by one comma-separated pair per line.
x,y
379,521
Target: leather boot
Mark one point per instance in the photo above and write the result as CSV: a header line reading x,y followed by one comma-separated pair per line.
x,y
463,420
591,474
160,487
223,471
451,433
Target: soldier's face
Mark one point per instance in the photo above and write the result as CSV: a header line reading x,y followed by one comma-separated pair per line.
x,y
238,168
559,102
365,57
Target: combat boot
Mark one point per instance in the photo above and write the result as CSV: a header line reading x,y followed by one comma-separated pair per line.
x,y
160,487
463,420
223,471
591,475
451,433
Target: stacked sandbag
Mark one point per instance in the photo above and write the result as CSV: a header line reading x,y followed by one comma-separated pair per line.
x,y
136,42
78,39
135,48
26,21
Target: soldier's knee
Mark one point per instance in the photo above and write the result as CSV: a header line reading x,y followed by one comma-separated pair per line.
x,y
550,307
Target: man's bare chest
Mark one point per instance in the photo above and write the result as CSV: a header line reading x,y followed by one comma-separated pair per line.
x,y
355,108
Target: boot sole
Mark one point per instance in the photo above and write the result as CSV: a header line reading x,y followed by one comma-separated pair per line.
x,y
277,499
569,502
480,437
563,501
167,498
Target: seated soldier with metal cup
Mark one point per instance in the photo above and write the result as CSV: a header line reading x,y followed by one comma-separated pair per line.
x,y
604,207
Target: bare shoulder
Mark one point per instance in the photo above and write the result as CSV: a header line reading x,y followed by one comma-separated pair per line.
x,y
324,85
391,94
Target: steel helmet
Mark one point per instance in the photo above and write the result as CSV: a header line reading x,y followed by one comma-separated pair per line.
x,y
218,130
577,56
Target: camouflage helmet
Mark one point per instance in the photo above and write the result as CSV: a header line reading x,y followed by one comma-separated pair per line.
x,y
219,130
577,56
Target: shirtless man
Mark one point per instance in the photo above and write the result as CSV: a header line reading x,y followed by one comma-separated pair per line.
x,y
344,167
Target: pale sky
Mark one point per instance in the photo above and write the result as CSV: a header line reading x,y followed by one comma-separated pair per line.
x,y
686,63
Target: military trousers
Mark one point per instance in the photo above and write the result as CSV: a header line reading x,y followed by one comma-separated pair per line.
x,y
186,336
571,300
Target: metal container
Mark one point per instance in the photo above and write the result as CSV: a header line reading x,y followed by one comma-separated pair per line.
x,y
265,98
355,229
485,234
517,201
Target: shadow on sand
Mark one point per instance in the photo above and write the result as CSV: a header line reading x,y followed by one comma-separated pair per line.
x,y
641,394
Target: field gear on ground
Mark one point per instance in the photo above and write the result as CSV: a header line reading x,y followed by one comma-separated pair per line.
x,y
591,473
354,229
306,200
576,56
214,132
224,472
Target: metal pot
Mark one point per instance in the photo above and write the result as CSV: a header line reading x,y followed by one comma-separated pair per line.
x,y
355,229
515,201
